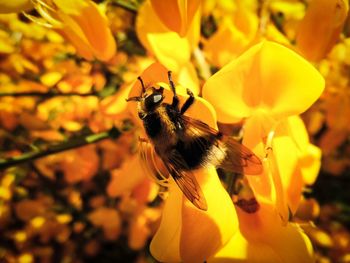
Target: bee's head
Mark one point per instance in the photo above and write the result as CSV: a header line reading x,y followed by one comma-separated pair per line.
x,y
148,102
153,100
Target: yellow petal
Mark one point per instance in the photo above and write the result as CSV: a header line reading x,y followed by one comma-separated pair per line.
x,y
87,28
310,164
297,130
127,177
116,105
6,43
317,36
256,129
185,230
225,44
15,6
194,31
187,77
166,241
240,250
268,77
264,236
167,46
282,181
309,155
234,35
71,7
177,15
286,157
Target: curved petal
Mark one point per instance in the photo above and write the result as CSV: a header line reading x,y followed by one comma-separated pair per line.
x,y
185,230
282,181
177,15
256,130
309,155
165,245
116,104
289,242
225,44
87,28
315,37
234,35
297,130
285,153
240,250
187,77
310,164
263,235
267,77
127,177
167,46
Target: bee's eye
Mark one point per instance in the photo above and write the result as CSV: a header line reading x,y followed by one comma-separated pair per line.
x,y
153,100
157,98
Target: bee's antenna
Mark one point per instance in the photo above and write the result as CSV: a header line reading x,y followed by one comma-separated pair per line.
x,y
136,98
142,84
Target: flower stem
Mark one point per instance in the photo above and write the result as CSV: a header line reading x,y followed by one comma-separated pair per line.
x,y
71,144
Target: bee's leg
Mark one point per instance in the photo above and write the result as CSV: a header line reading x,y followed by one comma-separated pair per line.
x,y
188,102
141,139
175,102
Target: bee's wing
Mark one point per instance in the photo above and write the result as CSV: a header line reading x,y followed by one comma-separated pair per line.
x,y
185,180
150,164
238,158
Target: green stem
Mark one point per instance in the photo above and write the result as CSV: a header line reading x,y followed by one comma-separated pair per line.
x,y
71,144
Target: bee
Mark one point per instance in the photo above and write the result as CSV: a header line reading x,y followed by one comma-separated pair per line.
x,y
185,144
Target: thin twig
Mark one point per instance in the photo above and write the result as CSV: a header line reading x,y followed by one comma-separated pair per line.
x,y
71,144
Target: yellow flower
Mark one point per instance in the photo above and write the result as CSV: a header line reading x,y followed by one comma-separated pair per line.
x,y
321,27
266,85
262,239
81,22
170,48
86,28
266,78
235,33
184,230
192,235
177,15
122,183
